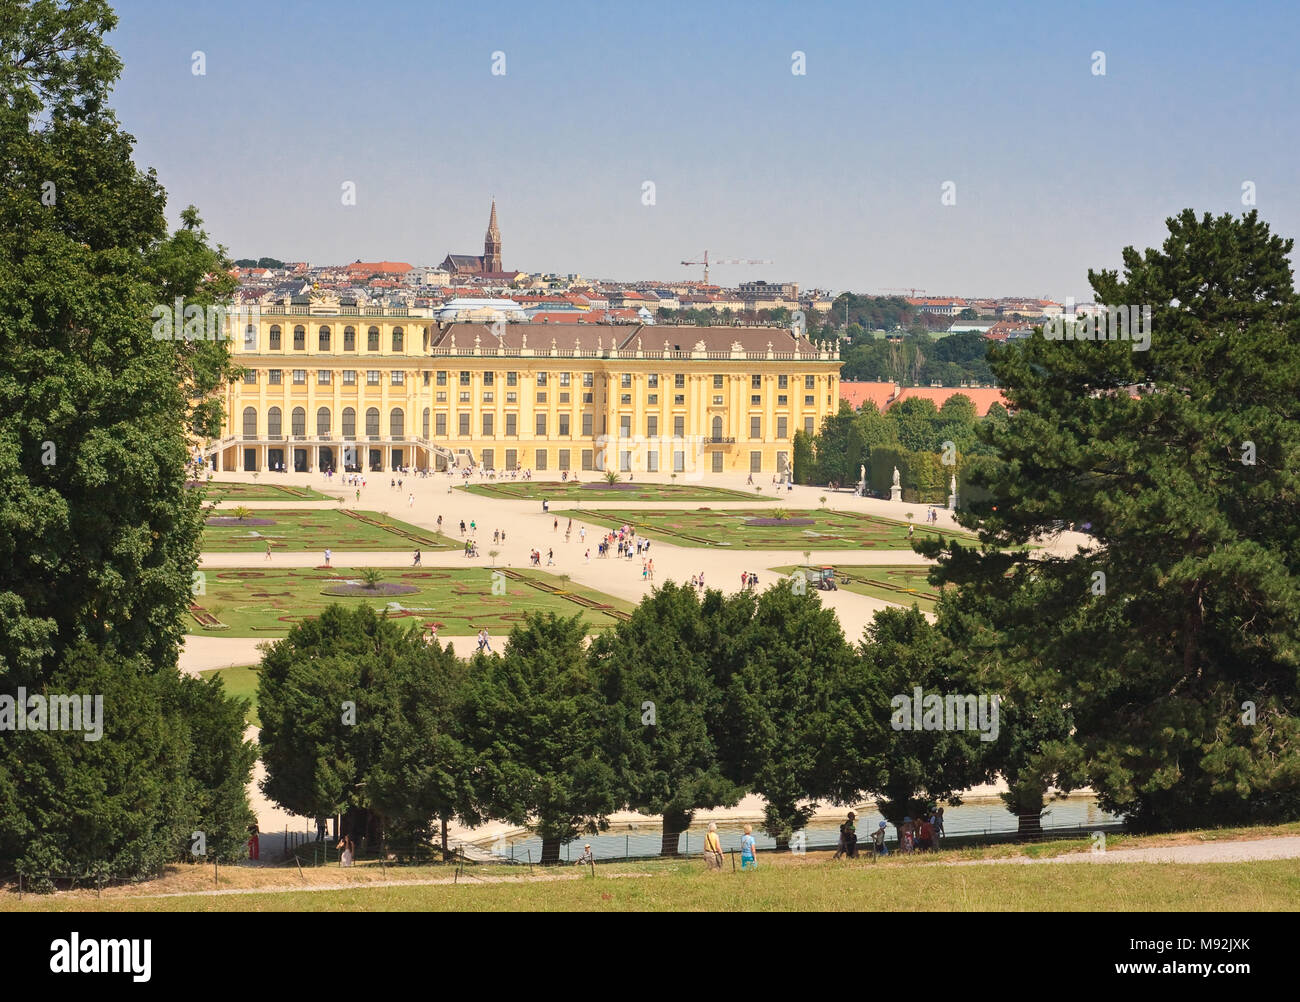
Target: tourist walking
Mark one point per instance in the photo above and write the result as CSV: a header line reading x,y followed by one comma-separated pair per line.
x,y
878,840
713,848
328,554
415,562
748,861
268,549
348,854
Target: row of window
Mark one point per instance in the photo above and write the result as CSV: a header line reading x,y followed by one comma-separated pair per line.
x,y
323,339
396,377
397,424
541,460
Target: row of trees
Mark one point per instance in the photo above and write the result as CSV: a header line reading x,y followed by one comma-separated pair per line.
x,y
846,439
917,358
690,704
98,536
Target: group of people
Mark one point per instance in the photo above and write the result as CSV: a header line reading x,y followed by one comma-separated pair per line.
x,y
919,835
748,581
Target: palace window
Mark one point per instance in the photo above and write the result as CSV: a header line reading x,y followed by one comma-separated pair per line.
x,y
512,379
564,424
349,339
299,377
300,339
275,376
398,378
756,382
756,399
464,378
442,378
349,377
809,382
487,378
782,382
512,424
679,381
652,380
275,337
679,399
372,339
372,377
322,377
398,339
808,401
625,380
541,379
717,382
323,340
250,375
588,378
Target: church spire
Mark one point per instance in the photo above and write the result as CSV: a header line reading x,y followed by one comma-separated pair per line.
x,y
492,243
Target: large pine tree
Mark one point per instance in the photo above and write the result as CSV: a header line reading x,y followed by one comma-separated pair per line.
x,y
1172,635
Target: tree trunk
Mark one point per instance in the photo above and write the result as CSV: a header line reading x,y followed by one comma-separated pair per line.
x,y
1030,826
675,822
444,836
550,850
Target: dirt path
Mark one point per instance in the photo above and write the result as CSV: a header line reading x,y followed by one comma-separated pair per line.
x,y
1207,852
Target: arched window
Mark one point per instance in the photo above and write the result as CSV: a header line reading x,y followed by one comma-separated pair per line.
x,y
397,339
250,338
372,339
396,423
426,422
275,337
273,421
323,421
372,421
324,343
250,422
300,338
349,423
299,421
717,427
349,339
426,339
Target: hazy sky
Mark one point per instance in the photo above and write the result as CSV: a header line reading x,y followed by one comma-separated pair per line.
x,y
836,175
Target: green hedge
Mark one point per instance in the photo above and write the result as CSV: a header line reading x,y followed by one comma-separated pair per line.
x,y
922,475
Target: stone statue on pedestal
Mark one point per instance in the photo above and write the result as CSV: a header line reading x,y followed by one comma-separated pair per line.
x,y
952,493
896,491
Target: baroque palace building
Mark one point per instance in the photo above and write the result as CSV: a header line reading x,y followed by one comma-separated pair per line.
x,y
328,385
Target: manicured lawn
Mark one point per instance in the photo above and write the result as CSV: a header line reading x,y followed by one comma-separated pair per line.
x,y
221,491
267,601
901,585
240,681
827,530
808,884
315,530
597,490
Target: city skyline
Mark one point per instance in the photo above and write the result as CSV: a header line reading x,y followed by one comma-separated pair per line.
x,y
748,159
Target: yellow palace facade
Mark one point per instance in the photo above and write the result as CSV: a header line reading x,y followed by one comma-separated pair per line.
x,y
341,387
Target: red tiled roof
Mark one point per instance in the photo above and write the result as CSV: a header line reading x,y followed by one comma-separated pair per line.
x,y
857,393
379,267
982,397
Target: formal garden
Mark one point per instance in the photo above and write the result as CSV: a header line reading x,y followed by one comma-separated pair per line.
x,y
769,529
257,601
244,531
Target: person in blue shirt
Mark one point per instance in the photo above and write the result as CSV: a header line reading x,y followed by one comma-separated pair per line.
x,y
747,860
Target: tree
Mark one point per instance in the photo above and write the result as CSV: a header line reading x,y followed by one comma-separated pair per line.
x,y
656,674
785,678
915,419
532,720
905,765
421,770
98,533
92,412
319,695
1178,666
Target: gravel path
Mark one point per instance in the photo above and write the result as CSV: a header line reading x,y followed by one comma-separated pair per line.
x,y
1205,852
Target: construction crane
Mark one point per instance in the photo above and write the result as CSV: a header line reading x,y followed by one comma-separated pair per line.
x,y
725,260
911,292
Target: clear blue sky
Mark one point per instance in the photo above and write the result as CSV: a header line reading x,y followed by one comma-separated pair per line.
x,y
835,175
